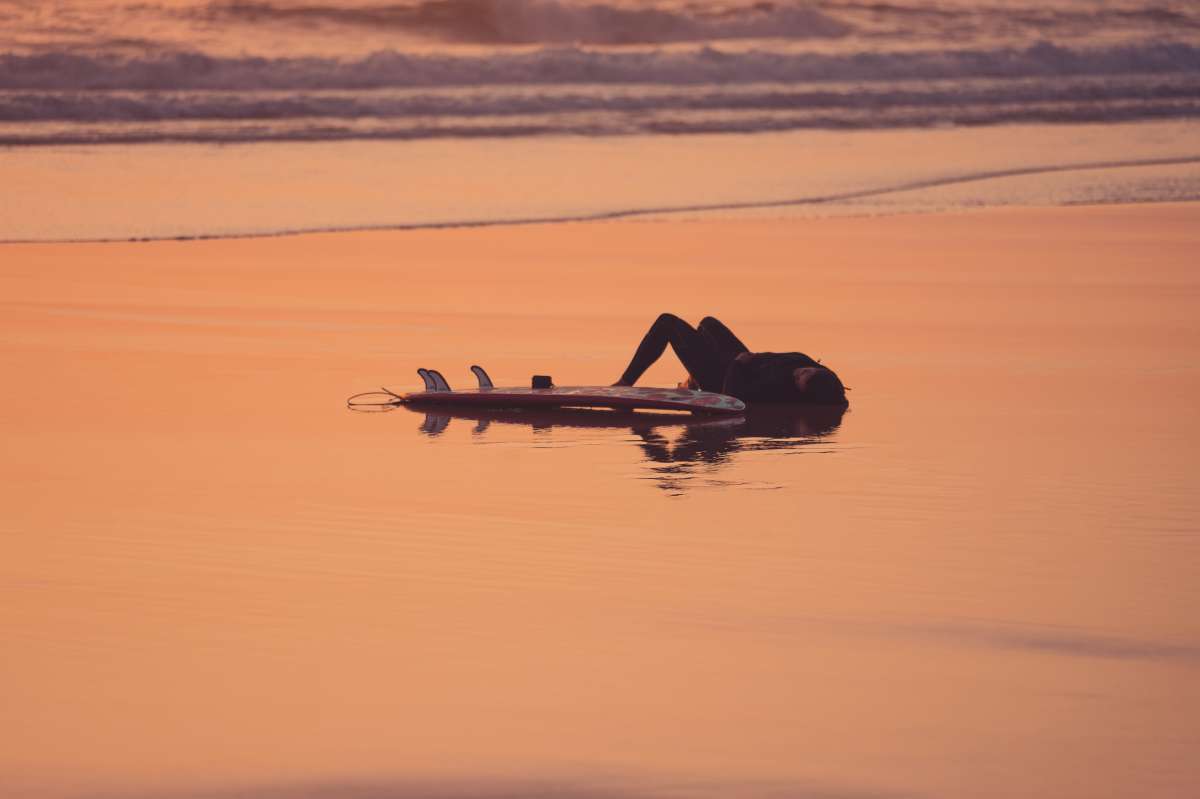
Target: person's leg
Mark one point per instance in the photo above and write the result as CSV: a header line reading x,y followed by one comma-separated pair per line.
x,y
722,340
692,349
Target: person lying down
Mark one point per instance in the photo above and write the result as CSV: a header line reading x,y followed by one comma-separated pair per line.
x,y
718,361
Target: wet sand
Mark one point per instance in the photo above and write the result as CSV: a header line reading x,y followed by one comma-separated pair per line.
x,y
218,581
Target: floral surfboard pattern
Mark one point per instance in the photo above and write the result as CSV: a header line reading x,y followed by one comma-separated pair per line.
x,y
623,397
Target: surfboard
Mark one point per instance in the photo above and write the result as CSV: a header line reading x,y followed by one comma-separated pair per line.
x,y
438,393
619,397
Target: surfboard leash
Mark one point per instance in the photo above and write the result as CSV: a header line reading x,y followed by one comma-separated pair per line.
x,y
392,402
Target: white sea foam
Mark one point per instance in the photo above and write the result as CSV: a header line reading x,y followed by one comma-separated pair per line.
x,y
345,25
69,70
550,21
400,95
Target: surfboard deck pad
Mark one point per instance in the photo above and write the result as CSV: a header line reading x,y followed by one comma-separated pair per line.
x,y
618,397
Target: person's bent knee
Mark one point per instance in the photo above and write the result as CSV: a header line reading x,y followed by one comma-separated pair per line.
x,y
718,330
668,319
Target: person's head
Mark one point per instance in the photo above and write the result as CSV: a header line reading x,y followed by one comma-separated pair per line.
x,y
819,386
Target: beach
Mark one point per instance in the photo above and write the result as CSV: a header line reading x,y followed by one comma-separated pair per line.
x,y
220,221
980,581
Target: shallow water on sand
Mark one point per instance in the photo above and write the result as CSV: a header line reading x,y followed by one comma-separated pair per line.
x,y
262,189
979,581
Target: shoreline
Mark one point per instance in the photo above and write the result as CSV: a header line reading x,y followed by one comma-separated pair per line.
x,y
201,192
712,212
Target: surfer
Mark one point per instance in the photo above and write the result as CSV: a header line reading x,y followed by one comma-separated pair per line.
x,y
717,360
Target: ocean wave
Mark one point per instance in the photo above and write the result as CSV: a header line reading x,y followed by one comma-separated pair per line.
x,y
346,27
550,21
69,70
157,106
60,96
590,125
636,22
1046,17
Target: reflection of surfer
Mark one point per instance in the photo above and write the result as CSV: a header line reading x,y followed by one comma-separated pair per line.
x,y
718,361
761,428
705,442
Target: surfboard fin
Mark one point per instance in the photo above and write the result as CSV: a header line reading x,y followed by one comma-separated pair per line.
x,y
429,384
482,377
439,382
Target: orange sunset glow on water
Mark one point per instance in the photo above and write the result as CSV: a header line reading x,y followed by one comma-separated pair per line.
x,y
977,577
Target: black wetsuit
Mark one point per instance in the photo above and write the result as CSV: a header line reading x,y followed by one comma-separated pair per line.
x,y
717,360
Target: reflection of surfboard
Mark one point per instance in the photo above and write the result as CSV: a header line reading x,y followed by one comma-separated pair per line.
x,y
619,397
575,418
439,417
